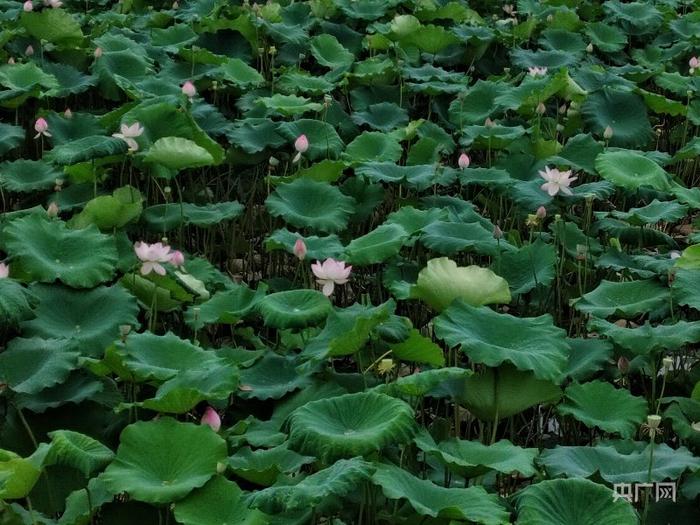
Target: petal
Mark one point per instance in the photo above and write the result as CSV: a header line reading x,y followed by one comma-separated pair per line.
x,y
328,288
146,268
158,269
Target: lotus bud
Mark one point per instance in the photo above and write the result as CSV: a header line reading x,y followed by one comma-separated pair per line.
x,y
58,185
463,161
540,109
211,418
667,363
589,48
300,249
301,144
581,252
653,421
497,232
220,467
272,50
168,192
124,330
4,270
189,90
68,113
694,64
623,365
608,133
41,127
29,51
541,212
177,259
559,127
562,109
696,426
327,100
28,6
52,210
674,254
489,123
615,243
98,52
176,5
11,61
273,162
385,366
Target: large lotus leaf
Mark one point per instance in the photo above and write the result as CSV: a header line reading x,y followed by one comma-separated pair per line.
x,y
86,149
530,266
70,82
289,105
376,246
12,137
16,302
309,204
530,343
272,377
419,349
419,176
647,339
655,211
690,258
587,357
82,503
373,146
477,104
28,175
166,217
384,116
155,461
48,251
218,502
332,483
636,18
78,451
173,38
22,81
626,299
177,153
17,474
616,466
503,392
90,320
264,465
473,458
147,356
631,170
686,288
600,404
57,26
471,504
572,502
319,248
624,112
453,237
29,365
239,73
323,139
294,308
228,306
606,37
163,294
350,425
491,137
108,212
425,383
441,282
329,52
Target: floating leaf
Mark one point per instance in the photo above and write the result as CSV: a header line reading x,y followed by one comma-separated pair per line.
x,y
626,299
294,308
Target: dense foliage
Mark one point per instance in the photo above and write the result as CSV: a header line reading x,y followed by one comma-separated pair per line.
x,y
349,261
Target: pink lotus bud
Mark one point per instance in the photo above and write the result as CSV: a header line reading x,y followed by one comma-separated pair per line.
x,y
497,232
41,127
68,113
489,123
694,63
608,133
541,109
463,161
189,90
211,418
4,270
541,212
301,144
28,6
52,210
29,51
177,259
300,249
98,52
623,365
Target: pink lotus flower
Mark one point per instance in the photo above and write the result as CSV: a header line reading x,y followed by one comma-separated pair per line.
x,y
177,258
300,249
152,255
694,64
129,133
28,6
557,181
541,212
98,52
330,273
4,270
42,128
301,144
463,161
537,71
29,51
211,418
189,90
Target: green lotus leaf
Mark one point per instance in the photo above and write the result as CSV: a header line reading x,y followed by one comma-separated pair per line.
x,y
12,137
478,104
384,116
166,217
636,18
452,237
419,349
413,220
350,425
26,176
647,339
263,466
324,141
22,81
155,463
503,392
272,377
294,308
318,248
57,26
16,303
441,282
29,365
600,404
618,466
425,383
686,288
532,91
18,475
164,294
78,451
310,204
90,319
606,37
655,211
624,112
70,82
293,81
218,502
177,153
329,52
631,170
289,105
690,258
625,299
376,246
108,212
84,502
173,38
332,483
429,38
530,266
568,501
373,146
239,73
472,504
587,357
86,149
530,343
472,458
228,306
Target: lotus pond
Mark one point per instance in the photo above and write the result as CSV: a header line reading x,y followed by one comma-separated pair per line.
x,y
413,262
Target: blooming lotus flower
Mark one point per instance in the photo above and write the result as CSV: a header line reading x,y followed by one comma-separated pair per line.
x,y
129,133
694,64
557,181
300,249
42,128
152,255
4,270
28,6
330,273
211,418
463,161
177,258
189,90
537,71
